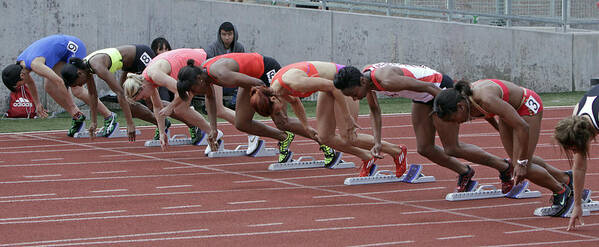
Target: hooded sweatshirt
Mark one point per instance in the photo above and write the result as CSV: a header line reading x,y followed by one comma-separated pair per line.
x,y
218,47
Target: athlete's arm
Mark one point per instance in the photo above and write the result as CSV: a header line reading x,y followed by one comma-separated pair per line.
x,y
211,109
160,77
39,108
493,122
93,103
375,116
298,109
102,71
579,171
157,106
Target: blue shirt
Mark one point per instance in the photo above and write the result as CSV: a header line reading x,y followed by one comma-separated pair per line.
x,y
54,48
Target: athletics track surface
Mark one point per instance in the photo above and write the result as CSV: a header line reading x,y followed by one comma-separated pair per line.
x,y
59,191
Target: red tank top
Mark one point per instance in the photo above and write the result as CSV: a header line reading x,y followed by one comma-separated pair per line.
x,y
251,64
304,66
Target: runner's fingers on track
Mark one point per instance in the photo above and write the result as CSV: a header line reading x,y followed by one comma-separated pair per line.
x,y
376,151
163,142
576,215
131,133
92,130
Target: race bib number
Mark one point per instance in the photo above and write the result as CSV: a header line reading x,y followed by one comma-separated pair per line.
x,y
72,47
145,58
270,74
532,104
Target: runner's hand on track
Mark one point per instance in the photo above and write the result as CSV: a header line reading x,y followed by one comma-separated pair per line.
x,y
163,141
92,130
376,151
131,133
576,215
519,174
212,140
41,112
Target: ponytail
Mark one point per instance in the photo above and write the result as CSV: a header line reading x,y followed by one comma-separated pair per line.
x,y
573,134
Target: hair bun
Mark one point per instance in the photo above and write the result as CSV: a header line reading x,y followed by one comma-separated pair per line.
x,y
190,62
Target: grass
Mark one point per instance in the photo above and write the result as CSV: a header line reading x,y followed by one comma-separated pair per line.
x,y
62,121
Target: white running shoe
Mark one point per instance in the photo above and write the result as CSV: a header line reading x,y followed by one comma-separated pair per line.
x,y
253,142
218,139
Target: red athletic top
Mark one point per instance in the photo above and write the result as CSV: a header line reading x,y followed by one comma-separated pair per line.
x,y
251,64
177,59
304,66
505,92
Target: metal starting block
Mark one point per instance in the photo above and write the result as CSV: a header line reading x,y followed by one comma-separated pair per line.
x,y
588,205
240,150
519,191
83,133
413,175
309,162
181,139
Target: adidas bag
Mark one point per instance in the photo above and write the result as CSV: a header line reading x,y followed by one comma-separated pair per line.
x,y
21,104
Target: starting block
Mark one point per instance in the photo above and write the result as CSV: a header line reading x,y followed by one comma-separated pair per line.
x,y
588,205
519,191
240,150
181,139
309,162
413,175
83,133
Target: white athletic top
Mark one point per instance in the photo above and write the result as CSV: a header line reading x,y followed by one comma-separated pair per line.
x,y
418,72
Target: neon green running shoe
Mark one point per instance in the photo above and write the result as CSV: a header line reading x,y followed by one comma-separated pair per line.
x,y
330,156
110,125
167,124
284,154
76,124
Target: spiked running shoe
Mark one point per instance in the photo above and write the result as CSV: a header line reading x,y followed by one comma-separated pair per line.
x,y
76,124
465,180
253,144
562,201
110,125
330,156
167,124
368,168
196,134
400,161
284,154
507,183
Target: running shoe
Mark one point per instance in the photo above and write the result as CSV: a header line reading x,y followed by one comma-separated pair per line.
x,y
465,180
253,144
330,156
507,183
196,134
284,153
167,124
368,168
76,124
400,161
110,125
562,202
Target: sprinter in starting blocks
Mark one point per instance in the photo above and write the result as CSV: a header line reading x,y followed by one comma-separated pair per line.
x,y
413,175
181,139
309,162
259,150
519,191
588,206
116,133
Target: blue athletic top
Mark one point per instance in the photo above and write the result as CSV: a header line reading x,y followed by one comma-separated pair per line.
x,y
54,48
589,105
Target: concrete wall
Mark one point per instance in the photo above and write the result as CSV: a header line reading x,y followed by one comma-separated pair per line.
x,y
545,61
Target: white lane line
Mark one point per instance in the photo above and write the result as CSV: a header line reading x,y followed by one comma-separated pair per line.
x,y
456,237
246,202
384,192
105,237
471,208
48,159
383,244
104,191
43,176
185,206
333,219
553,243
266,224
554,228
109,172
21,196
173,186
63,215
178,167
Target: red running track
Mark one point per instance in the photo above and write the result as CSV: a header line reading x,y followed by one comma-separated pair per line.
x,y
59,191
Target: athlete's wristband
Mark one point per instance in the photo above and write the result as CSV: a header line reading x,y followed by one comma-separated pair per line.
x,y
522,163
